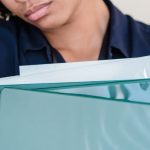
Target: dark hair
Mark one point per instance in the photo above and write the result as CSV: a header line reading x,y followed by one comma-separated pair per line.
x,y
4,12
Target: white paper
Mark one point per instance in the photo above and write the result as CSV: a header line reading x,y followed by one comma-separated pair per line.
x,y
34,69
122,69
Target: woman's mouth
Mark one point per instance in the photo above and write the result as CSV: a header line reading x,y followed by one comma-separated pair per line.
x,y
37,12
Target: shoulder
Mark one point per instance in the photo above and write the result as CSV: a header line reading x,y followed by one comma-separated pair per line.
x,y
16,37
8,47
128,35
8,28
139,37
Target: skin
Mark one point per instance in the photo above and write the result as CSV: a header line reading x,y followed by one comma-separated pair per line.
x,y
76,28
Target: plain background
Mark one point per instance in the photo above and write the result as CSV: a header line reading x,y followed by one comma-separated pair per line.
x,y
138,9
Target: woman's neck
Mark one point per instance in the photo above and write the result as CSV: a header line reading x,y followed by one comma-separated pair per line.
x,y
82,38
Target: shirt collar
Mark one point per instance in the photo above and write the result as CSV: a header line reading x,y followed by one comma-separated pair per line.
x,y
31,38
119,35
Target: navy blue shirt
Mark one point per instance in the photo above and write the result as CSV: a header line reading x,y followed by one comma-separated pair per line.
x,y
24,44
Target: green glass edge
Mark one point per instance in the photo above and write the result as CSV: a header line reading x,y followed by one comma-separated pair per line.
x,y
71,84
85,96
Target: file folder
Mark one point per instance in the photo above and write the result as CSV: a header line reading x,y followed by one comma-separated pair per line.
x,y
36,120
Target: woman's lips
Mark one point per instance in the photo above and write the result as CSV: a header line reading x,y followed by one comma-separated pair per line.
x,y
37,12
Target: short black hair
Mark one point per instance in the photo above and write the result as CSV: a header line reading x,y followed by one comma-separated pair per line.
x,y
4,11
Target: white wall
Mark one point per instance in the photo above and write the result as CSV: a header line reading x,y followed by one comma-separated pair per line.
x,y
139,9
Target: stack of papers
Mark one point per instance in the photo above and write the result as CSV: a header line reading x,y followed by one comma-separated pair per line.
x,y
98,105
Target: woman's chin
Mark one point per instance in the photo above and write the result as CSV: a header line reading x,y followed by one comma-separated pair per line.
x,y
47,24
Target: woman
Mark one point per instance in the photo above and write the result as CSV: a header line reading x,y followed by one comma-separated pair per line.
x,y
50,31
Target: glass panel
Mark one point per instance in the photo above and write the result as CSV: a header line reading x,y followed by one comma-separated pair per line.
x,y
31,120
138,90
